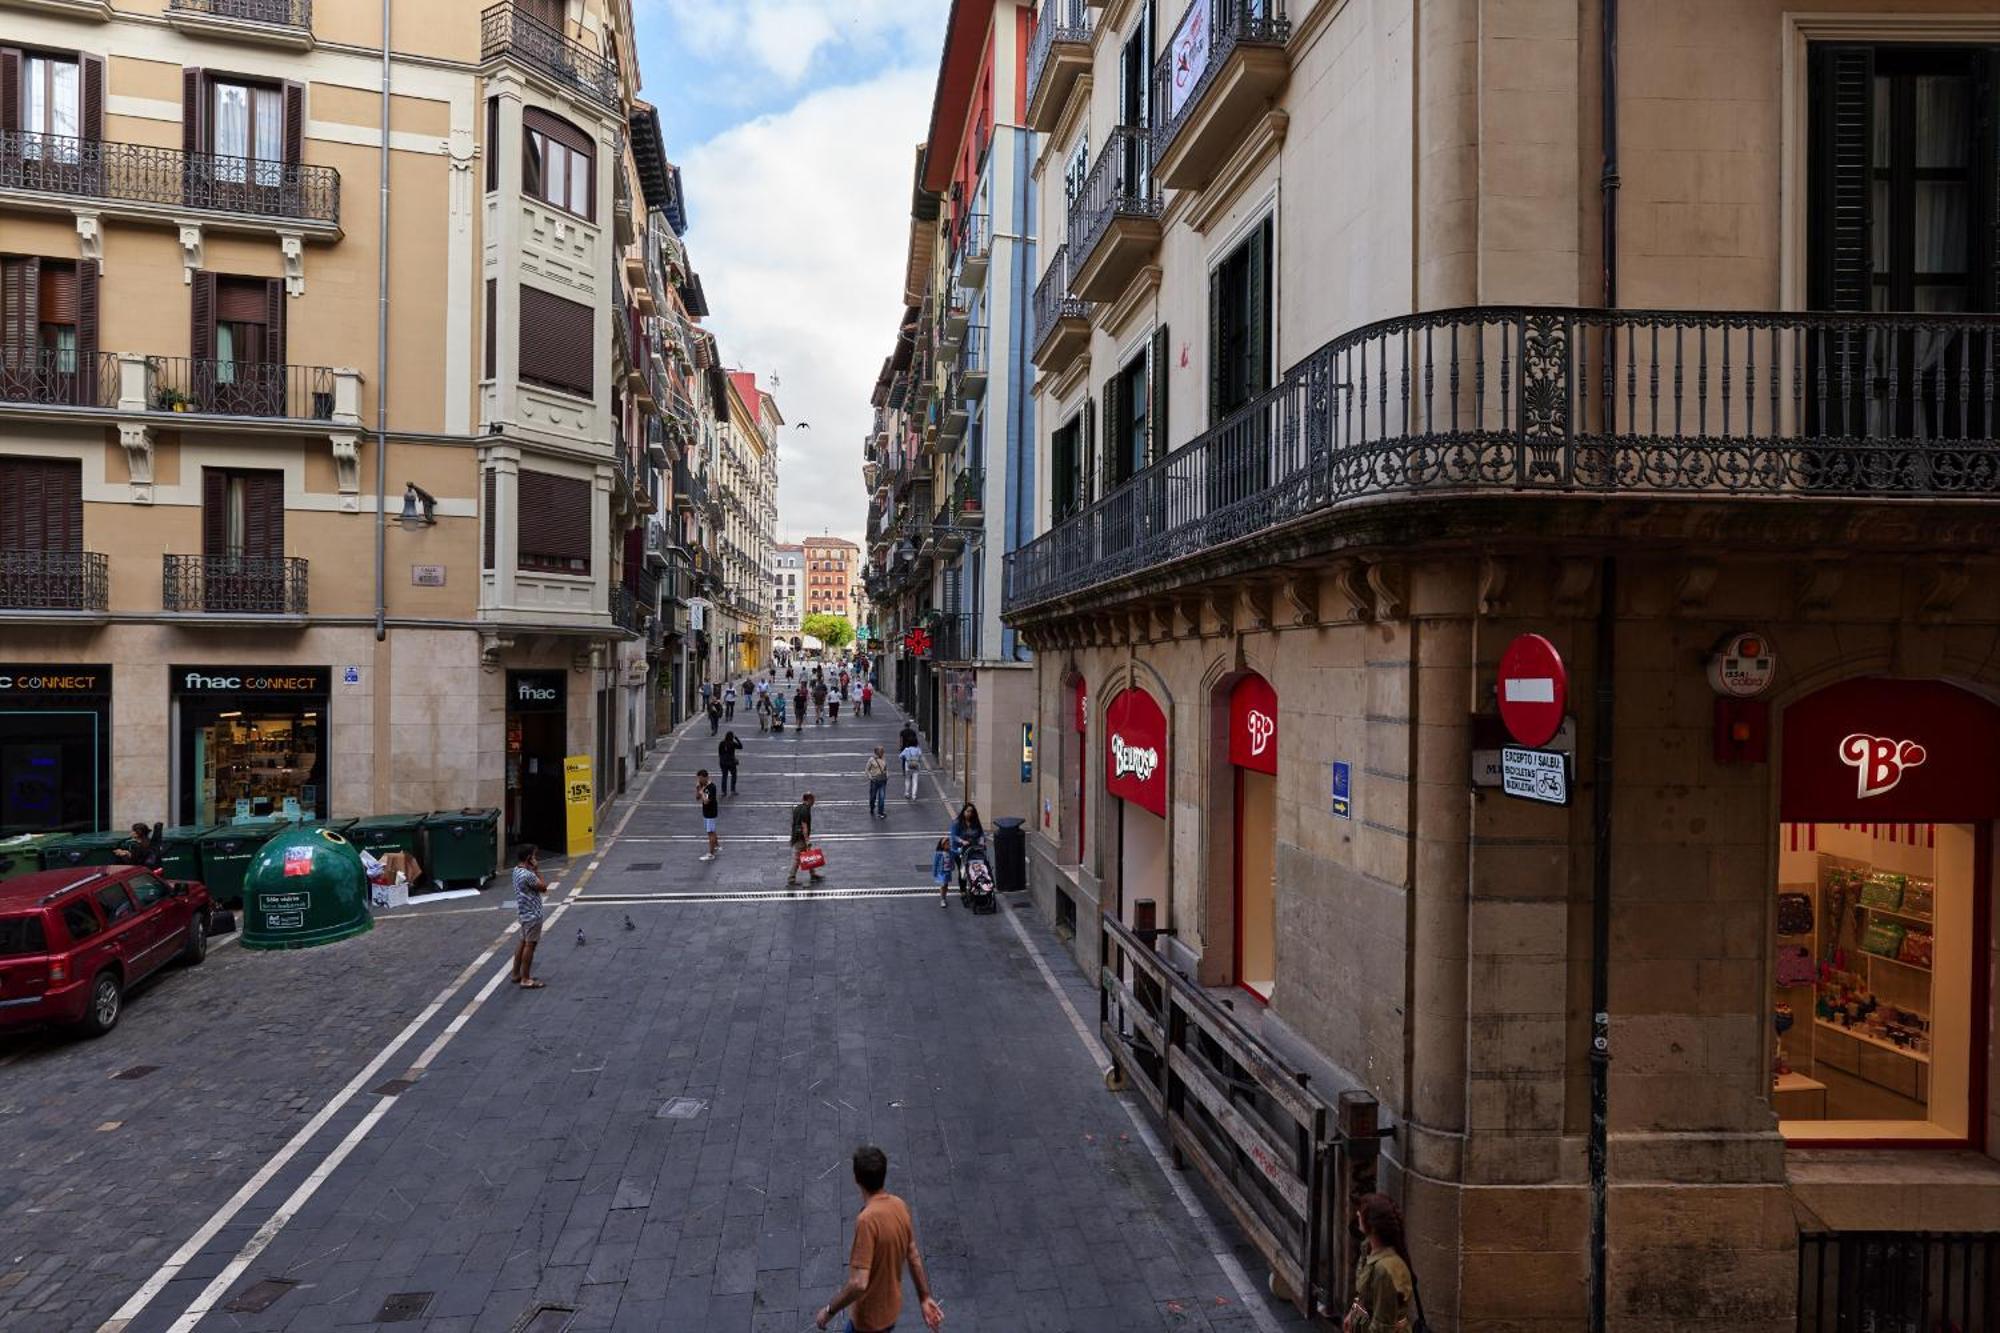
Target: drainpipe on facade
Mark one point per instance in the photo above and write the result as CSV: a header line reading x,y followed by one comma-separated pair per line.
x,y
1601,790
382,355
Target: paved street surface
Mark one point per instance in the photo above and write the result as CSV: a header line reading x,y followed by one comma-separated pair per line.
x,y
657,1141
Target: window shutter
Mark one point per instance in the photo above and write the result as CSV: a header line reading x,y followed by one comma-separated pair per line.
x,y
191,110
62,503
201,308
295,122
86,333
58,293
492,144
1843,86
93,99
1986,144
214,512
492,327
1217,376
41,504
274,321
1157,439
1085,491
489,493
1115,430
556,341
1257,355
263,515
10,88
552,518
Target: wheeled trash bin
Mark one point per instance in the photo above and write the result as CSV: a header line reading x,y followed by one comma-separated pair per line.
x,y
1010,855
28,853
460,846
226,854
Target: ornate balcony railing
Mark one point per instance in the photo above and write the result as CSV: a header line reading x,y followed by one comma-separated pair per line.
x,y
168,177
234,584
1120,184
58,379
626,612
53,581
968,497
1061,21
955,638
505,30
1179,87
1492,400
240,388
281,13
1053,303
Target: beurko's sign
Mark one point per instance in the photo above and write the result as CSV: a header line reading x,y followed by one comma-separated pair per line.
x,y
1135,750
249,680
535,691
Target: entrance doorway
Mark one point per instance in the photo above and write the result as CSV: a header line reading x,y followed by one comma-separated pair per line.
x,y
1253,752
537,740
1135,772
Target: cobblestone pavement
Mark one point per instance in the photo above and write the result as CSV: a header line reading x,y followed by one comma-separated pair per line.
x,y
657,1141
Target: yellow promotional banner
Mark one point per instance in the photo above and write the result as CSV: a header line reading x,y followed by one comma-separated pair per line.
x,y
580,804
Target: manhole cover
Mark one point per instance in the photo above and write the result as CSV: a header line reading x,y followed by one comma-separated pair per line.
x,y
404,1306
644,865
395,1087
544,1319
681,1108
136,1071
259,1296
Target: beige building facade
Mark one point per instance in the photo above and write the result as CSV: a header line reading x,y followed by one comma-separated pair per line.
x,y
307,571
1373,337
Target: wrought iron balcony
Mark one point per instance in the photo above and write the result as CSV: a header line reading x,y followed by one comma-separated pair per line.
x,y
1058,56
276,13
626,613
955,637
972,361
1114,221
1203,109
153,178
1062,321
240,388
58,379
1519,401
975,250
234,584
508,32
968,497
53,581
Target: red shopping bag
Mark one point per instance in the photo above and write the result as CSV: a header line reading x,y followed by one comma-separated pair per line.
x,y
812,858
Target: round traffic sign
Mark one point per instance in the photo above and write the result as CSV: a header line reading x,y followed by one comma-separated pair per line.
x,y
1534,690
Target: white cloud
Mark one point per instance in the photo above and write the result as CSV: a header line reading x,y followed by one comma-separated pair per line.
x,y
800,222
784,36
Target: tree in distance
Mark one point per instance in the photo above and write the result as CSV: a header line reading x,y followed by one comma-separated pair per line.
x,y
831,630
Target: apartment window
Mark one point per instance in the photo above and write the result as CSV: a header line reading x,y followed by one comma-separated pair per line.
x,y
552,518
55,98
246,131
41,504
48,330
242,514
1126,426
557,163
238,342
1066,469
557,338
1239,325
1135,70
1077,171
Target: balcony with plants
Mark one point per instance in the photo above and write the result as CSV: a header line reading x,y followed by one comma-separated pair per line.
x,y
1209,89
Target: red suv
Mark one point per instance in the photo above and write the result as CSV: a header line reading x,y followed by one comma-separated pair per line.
x,y
72,942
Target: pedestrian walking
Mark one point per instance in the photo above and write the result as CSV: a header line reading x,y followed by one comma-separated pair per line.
x,y
867,699
819,703
729,701
877,773
833,708
1385,1290
942,864
799,703
711,810
714,715
706,690
912,756
727,754
763,711
802,836
528,890
885,1243
777,712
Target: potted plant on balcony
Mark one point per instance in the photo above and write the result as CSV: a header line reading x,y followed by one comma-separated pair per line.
x,y
169,399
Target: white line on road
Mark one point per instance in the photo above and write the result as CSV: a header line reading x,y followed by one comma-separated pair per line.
x,y
753,896
779,837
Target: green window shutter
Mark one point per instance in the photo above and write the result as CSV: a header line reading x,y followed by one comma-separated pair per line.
x,y
1157,439
1842,82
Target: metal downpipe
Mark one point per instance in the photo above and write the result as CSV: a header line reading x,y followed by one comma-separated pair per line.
x,y
382,354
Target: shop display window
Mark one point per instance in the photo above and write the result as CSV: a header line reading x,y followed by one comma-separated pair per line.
x,y
253,766
1877,993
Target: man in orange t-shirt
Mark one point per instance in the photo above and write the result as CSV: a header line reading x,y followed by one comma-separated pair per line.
x,y
884,1242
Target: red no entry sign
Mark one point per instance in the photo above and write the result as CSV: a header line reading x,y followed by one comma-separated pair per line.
x,y
1534,690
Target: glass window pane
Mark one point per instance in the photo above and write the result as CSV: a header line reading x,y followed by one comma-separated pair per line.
x,y
230,123
531,166
64,100
1879,153
558,182
1878,231
1944,125
226,352
1943,226
269,145
579,186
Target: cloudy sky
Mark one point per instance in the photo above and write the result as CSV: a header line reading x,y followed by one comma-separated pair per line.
x,y
795,123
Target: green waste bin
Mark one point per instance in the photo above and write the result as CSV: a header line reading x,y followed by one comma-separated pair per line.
x,y
460,846
378,835
27,853
87,849
340,825
226,854
180,850
304,886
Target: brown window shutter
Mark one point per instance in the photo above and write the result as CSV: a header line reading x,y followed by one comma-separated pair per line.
x,y
214,512
489,493
556,342
17,297
241,301
201,308
41,504
191,111
264,515
274,321
93,99
86,334
1157,439
62,506
560,130
10,88
552,520
58,292
492,144
295,122
492,328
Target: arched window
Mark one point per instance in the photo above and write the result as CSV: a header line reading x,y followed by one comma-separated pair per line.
x,y
559,163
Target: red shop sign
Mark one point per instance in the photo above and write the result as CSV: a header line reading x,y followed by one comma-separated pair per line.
x,y
1895,750
1253,725
1135,751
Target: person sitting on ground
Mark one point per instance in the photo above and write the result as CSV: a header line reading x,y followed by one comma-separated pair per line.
x,y
145,848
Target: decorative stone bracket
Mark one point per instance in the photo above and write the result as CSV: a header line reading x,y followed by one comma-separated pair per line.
x,y
346,438
191,251
89,238
293,246
138,442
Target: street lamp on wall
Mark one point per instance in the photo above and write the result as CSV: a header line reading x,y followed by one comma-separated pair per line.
x,y
419,508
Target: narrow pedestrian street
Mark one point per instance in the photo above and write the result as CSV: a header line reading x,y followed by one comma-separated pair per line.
x,y
659,1140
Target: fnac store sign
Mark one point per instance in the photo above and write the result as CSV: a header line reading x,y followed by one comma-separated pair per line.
x,y
1879,749
1135,751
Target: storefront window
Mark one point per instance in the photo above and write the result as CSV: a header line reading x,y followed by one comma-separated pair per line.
x,y
55,749
250,742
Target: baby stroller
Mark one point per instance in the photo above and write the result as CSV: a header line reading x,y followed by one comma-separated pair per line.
x,y
975,880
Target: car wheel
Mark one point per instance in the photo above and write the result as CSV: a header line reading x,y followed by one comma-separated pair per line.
x,y
107,1001
196,948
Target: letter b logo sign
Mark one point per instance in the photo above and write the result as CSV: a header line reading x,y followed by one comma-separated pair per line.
x,y
1879,762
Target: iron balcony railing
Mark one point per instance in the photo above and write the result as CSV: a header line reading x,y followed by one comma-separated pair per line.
x,y
1179,87
1059,21
1120,185
240,388
505,30
234,584
53,581
1896,1280
955,638
169,177
1053,303
1489,400
58,379
626,612
968,497
975,239
279,13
